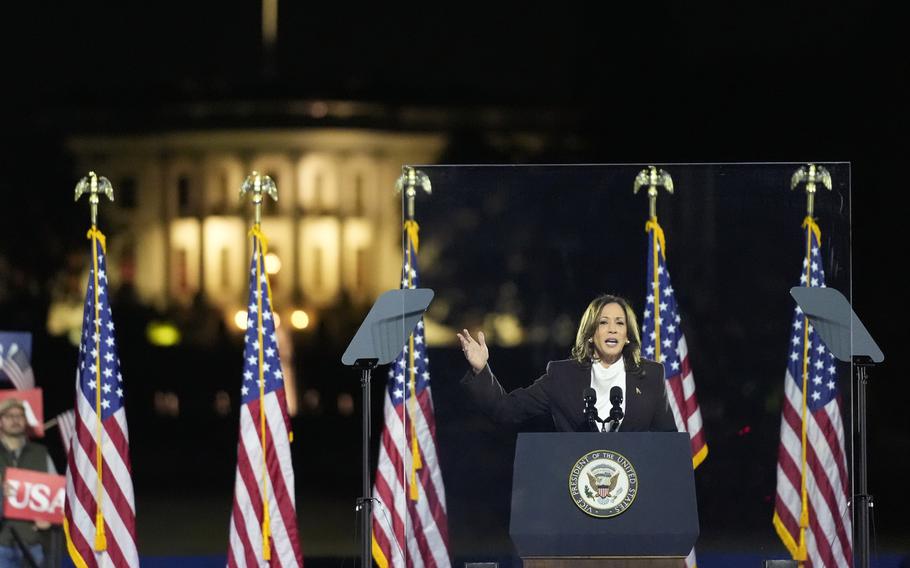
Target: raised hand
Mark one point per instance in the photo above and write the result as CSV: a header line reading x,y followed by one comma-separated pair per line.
x,y
476,352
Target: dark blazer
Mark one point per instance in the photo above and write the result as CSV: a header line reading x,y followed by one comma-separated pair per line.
x,y
560,392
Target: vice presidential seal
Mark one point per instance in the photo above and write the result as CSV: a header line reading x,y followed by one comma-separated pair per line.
x,y
603,483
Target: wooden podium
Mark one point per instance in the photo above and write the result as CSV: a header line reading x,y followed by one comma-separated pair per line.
x,y
610,500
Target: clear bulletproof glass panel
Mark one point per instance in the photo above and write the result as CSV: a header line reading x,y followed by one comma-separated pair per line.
x,y
519,251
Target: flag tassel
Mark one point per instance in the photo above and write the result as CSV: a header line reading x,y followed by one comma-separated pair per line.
x,y
416,462
266,534
411,228
266,521
801,554
657,233
100,538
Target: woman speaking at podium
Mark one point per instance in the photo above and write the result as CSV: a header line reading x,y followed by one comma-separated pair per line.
x,y
606,354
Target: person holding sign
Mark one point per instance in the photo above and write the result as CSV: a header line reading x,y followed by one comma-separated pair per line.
x,y
17,451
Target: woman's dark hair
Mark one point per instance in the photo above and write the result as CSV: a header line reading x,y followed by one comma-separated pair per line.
x,y
583,350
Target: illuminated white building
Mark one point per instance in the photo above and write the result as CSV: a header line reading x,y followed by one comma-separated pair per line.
x,y
181,227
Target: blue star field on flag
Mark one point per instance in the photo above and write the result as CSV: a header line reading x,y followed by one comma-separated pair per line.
x,y
399,373
670,331
271,364
822,367
98,336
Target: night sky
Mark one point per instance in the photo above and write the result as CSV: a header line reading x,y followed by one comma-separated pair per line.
x,y
663,85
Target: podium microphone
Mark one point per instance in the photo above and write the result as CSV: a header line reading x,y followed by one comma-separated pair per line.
x,y
616,413
591,417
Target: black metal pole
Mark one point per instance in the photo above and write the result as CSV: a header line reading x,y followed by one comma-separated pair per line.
x,y
366,515
863,501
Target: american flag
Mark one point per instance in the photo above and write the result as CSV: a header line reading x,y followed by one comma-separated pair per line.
x,y
66,424
409,515
100,513
663,341
264,518
16,367
812,512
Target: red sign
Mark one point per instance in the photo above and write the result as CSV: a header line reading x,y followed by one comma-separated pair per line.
x,y
34,496
33,400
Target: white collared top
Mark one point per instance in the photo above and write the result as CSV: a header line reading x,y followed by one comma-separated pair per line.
x,y
605,378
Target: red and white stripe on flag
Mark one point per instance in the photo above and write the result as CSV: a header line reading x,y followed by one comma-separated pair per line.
x,y
409,532
99,513
263,530
66,424
684,405
812,514
410,528
245,537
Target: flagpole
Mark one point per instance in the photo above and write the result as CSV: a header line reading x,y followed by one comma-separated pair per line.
x,y
94,186
811,175
365,503
257,185
411,228
654,178
408,184
410,181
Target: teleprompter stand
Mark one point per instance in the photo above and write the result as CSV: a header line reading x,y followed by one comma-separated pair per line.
x,y
847,338
380,339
